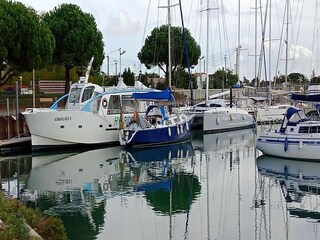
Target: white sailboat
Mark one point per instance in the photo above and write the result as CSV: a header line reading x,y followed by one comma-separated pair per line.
x,y
223,118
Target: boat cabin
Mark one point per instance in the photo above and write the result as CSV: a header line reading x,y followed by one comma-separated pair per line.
x,y
293,122
81,93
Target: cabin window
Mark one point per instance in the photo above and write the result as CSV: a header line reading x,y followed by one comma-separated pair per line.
x,y
87,93
215,105
114,104
201,105
313,129
303,129
129,104
75,95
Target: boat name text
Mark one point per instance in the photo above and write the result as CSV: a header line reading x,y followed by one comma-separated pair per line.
x,y
62,118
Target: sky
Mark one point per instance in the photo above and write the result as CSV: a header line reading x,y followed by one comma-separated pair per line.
x,y
126,23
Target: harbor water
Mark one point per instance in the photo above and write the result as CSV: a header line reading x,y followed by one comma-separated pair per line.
x,y
216,186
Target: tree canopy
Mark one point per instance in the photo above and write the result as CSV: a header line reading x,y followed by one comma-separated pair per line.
x,y
25,40
223,79
155,50
77,38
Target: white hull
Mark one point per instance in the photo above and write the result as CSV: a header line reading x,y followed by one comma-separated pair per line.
x,y
74,172
58,128
219,120
295,147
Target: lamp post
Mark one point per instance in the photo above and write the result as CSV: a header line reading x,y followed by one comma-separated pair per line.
x,y
200,62
108,60
121,53
115,63
20,84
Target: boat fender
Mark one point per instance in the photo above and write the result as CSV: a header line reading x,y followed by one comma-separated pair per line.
x,y
300,143
286,173
178,130
244,117
218,120
187,126
286,142
135,116
231,118
104,103
169,131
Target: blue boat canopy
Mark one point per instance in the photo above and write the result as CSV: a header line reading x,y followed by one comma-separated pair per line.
x,y
292,117
165,95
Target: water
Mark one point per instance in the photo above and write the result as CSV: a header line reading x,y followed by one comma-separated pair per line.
x,y
214,187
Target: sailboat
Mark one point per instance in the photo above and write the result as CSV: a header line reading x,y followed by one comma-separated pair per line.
x,y
226,116
159,125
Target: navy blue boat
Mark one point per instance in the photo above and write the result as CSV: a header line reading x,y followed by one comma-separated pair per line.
x,y
305,97
158,126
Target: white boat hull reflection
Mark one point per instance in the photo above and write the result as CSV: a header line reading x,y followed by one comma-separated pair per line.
x,y
299,182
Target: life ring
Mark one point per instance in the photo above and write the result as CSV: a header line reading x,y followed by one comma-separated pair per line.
x,y
104,103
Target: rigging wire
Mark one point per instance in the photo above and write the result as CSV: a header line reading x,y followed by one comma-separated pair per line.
x,y
185,47
315,33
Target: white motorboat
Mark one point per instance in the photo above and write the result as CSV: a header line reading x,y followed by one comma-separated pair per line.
x,y
91,115
297,138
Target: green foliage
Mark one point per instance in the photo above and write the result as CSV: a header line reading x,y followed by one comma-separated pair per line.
x,y
222,78
315,79
297,78
128,77
52,228
155,50
14,215
25,40
181,80
77,38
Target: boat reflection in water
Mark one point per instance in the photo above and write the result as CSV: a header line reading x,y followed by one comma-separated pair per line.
x,y
163,175
80,187
299,182
224,142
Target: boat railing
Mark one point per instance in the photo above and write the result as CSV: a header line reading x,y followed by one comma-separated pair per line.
x,y
56,103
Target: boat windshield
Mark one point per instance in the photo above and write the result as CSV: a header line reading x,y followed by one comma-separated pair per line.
x,y
87,93
75,95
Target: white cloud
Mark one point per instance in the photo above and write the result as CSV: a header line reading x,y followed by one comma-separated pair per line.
x,y
122,24
298,52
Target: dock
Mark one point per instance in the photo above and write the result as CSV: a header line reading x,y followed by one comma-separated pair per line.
x,y
13,144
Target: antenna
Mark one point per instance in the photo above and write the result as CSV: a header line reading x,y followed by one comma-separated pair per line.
x,y
88,71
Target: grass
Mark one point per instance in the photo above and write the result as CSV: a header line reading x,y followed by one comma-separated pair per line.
x,y
14,215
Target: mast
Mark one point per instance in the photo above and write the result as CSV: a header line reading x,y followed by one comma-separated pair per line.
x,y
238,48
269,85
207,57
255,46
169,44
287,44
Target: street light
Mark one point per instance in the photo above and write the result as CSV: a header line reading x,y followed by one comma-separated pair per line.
x,y
121,53
108,59
200,62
